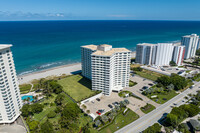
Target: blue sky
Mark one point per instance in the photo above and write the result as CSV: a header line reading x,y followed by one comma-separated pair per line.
x,y
99,10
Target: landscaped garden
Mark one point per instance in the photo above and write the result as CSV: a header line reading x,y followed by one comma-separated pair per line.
x,y
125,94
166,88
56,112
24,88
147,108
77,87
115,119
131,83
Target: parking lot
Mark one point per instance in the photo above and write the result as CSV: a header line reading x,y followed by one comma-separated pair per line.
x,y
135,104
172,69
95,105
141,82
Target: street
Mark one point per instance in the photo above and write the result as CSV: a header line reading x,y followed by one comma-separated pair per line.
x,y
149,119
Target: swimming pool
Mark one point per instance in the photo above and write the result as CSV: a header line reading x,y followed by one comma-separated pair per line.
x,y
26,97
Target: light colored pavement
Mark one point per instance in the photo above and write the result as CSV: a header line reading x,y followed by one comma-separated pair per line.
x,y
136,89
103,103
149,119
12,129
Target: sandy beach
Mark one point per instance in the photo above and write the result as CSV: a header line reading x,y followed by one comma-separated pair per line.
x,y
56,71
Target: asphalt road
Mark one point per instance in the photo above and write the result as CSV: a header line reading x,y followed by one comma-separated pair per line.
x,y
149,119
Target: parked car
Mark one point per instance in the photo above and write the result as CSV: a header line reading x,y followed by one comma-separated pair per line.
x,y
101,110
144,79
141,89
115,103
145,87
98,113
98,99
150,84
110,106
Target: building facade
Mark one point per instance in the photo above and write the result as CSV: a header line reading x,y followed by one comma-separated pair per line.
x,y
144,53
110,68
164,52
190,42
86,52
178,54
10,100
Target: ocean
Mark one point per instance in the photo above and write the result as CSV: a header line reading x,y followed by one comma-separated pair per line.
x,y
38,45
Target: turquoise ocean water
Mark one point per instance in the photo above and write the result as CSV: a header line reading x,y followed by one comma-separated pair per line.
x,y
39,45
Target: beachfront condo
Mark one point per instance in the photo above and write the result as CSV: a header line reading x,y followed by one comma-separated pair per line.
x,y
190,42
107,67
178,55
10,100
145,53
159,54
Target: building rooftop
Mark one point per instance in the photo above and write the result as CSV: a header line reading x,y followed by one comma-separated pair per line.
x,y
92,47
110,52
147,44
195,124
192,35
3,46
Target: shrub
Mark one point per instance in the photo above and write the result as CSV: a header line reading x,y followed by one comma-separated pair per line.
x,y
51,114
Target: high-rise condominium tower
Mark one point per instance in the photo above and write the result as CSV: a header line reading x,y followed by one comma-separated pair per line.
x,y
190,42
107,67
10,100
144,53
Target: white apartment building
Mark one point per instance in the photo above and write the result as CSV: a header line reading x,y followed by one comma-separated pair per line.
x,y
86,52
144,53
178,54
110,67
198,45
190,42
10,100
164,54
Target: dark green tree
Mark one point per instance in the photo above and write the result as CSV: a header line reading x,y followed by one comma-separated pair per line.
x,y
47,127
164,80
26,110
37,108
172,120
59,98
155,128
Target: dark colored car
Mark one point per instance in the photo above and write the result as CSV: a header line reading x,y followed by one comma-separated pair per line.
x,y
145,87
101,110
150,84
115,103
110,106
98,99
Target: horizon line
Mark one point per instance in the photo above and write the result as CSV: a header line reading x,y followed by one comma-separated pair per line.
x,y
96,20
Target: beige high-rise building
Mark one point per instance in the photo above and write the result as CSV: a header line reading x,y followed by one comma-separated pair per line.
x,y
107,67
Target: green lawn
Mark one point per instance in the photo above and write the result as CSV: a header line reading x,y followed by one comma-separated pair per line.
x,y
24,88
48,108
160,97
147,108
78,87
131,83
148,74
120,121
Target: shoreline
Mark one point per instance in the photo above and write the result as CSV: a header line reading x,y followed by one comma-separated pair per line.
x,y
55,71
67,69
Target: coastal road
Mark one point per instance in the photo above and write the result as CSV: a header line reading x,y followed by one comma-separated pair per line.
x,y
149,119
